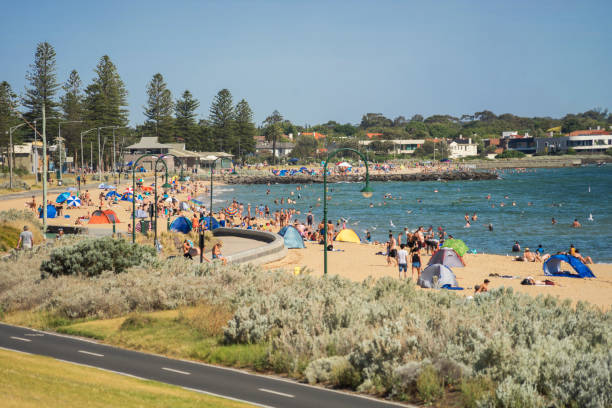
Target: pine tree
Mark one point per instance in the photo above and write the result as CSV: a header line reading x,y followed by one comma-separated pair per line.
x,y
73,110
8,102
185,125
43,86
245,128
159,108
273,130
222,121
105,98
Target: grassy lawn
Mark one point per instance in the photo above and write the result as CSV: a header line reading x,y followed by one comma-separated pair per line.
x,y
36,381
193,333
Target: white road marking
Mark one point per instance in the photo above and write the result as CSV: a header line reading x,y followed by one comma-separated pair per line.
x,y
176,371
282,394
91,354
227,397
34,334
20,338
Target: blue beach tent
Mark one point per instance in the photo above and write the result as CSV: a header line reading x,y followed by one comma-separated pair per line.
x,y
112,194
292,237
552,267
51,212
205,220
181,224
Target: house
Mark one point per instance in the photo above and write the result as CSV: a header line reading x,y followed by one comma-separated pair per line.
x,y
551,144
514,141
590,141
462,147
400,146
282,148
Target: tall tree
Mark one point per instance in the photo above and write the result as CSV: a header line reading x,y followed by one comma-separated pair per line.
x,y
185,125
8,102
159,108
106,100
245,128
273,130
221,120
43,85
73,110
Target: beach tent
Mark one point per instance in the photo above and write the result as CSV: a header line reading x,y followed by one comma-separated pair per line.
x,y
443,274
51,212
181,224
447,257
98,217
204,222
292,237
552,267
112,193
141,214
456,244
110,214
347,235
62,197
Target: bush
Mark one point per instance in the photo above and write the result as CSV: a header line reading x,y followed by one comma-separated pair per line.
x,y
609,151
475,391
94,256
428,385
510,154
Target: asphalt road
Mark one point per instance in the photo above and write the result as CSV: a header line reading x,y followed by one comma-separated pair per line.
x,y
229,383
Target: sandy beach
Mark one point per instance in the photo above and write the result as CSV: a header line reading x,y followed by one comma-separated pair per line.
x,y
358,261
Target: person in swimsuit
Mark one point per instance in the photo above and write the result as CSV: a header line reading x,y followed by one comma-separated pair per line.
x,y
391,251
216,253
416,262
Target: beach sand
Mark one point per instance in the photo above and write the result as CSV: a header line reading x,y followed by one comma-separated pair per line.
x,y
358,261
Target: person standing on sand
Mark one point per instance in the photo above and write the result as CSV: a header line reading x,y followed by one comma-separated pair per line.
x,y
402,261
416,262
391,250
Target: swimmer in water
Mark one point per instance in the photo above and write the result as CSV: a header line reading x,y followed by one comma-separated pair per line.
x,y
490,227
576,224
553,221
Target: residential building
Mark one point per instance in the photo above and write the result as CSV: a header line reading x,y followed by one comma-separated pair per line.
x,y
282,148
551,144
523,143
462,147
400,146
590,141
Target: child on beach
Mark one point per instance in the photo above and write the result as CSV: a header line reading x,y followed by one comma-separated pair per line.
x,y
402,261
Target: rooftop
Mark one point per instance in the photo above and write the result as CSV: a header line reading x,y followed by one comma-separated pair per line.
x,y
147,142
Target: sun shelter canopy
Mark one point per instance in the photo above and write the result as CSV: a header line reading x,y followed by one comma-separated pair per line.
x,y
456,244
51,212
292,237
553,267
62,197
141,214
347,235
110,214
447,257
98,217
436,276
181,224
215,223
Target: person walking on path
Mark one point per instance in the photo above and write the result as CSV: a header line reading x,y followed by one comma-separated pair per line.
x,y
26,239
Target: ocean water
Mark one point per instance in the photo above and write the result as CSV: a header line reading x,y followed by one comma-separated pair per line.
x,y
565,194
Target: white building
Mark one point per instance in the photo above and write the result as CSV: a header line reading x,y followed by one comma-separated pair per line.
x,y
461,147
400,146
590,141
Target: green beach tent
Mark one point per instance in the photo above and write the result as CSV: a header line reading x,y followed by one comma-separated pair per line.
x,y
456,244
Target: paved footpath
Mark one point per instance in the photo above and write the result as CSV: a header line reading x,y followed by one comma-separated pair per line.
x,y
260,390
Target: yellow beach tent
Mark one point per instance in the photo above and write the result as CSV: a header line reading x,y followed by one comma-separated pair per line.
x,y
347,235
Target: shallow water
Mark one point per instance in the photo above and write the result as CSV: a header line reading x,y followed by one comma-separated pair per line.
x,y
564,194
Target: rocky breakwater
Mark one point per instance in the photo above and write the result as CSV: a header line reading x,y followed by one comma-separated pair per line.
x,y
306,179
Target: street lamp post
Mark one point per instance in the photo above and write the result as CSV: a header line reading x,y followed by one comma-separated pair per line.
x,y
134,191
82,158
12,153
59,141
366,191
213,160
100,151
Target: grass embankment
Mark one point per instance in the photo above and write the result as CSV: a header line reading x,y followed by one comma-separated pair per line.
x,y
11,225
35,381
193,332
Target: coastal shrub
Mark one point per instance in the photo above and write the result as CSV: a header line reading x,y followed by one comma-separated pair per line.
x,y
428,385
476,391
93,256
11,225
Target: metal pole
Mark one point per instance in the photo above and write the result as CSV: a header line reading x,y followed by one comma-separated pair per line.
x,y
35,155
59,148
133,204
325,218
82,165
114,174
44,141
211,196
155,206
10,157
99,159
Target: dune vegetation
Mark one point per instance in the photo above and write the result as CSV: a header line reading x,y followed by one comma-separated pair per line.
x,y
383,337
11,225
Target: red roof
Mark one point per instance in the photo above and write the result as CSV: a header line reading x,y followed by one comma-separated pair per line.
x,y
589,132
315,134
371,135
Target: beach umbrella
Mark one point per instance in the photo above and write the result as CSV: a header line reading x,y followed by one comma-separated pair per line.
x,y
293,160
73,201
343,164
231,211
456,244
197,202
62,197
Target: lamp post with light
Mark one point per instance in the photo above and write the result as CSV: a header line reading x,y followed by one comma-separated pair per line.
x,y
366,191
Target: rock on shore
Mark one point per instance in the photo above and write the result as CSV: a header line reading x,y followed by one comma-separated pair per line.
x,y
306,179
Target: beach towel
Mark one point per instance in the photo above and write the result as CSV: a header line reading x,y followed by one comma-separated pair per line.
x,y
449,287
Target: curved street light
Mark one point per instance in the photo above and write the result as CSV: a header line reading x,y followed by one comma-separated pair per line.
x,y
134,192
366,191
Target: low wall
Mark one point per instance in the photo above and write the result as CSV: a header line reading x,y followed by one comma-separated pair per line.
x,y
272,251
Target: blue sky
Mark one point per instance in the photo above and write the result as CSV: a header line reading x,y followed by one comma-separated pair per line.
x,y
316,61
